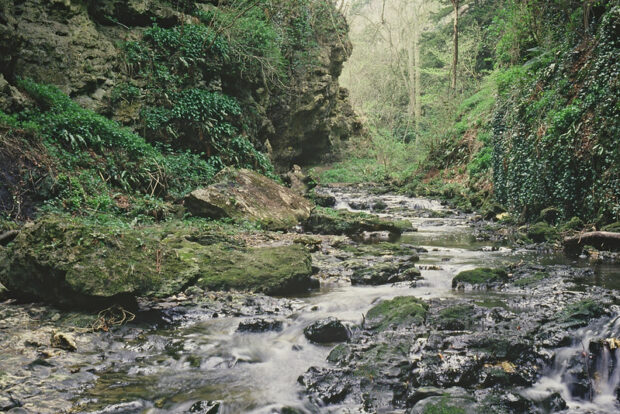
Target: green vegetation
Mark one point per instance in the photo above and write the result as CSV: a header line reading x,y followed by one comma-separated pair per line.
x,y
79,262
532,123
444,406
96,165
530,280
401,311
480,276
455,317
325,220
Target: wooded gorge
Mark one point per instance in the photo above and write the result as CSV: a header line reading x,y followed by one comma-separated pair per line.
x,y
309,206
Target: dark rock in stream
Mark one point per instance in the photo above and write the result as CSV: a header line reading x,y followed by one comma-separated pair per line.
x,y
205,407
380,274
260,325
465,354
327,331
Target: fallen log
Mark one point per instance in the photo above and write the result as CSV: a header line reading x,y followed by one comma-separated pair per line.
x,y
8,236
602,240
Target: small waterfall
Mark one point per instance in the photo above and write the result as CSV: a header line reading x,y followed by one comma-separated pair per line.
x,y
586,374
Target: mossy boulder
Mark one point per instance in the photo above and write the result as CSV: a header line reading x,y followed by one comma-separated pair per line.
x,y
402,311
69,262
383,273
574,224
480,277
330,221
278,270
246,195
541,232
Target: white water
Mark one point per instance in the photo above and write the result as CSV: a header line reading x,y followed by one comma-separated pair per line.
x,y
604,375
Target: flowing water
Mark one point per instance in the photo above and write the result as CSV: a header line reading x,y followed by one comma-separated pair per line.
x,y
198,357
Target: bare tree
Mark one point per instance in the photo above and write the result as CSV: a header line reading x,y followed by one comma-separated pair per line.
x,y
455,41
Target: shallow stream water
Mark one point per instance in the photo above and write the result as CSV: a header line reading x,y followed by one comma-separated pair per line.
x,y
195,355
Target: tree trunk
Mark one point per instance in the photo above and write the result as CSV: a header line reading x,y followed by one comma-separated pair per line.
x,y
603,240
411,71
455,56
418,73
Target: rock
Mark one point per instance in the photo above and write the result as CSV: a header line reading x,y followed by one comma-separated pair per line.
x,y
313,243
327,331
323,200
481,277
329,221
359,205
402,311
541,232
72,263
260,325
297,180
4,292
18,410
451,401
321,383
205,407
381,274
379,205
244,194
63,341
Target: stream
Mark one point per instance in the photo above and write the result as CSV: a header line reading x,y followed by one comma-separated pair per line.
x,y
187,357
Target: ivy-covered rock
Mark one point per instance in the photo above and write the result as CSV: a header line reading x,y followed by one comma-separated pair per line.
x,y
246,195
72,263
329,221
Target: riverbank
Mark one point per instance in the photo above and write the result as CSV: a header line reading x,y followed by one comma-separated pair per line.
x,y
244,352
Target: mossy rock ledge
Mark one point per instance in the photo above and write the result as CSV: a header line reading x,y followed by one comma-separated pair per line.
x,y
480,278
69,263
246,195
343,222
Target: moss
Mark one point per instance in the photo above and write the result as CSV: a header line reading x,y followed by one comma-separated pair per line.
x,y
480,276
271,270
443,407
575,223
456,317
73,262
579,313
530,280
338,353
492,303
379,249
401,311
330,221
541,232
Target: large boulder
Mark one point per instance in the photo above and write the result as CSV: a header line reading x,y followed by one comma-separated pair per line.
x,y
330,221
244,194
327,331
71,263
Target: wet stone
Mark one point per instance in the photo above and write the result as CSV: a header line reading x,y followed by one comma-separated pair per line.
x,y
260,325
327,331
205,407
384,273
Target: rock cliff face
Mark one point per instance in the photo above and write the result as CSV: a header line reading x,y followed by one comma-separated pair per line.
x,y
76,45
